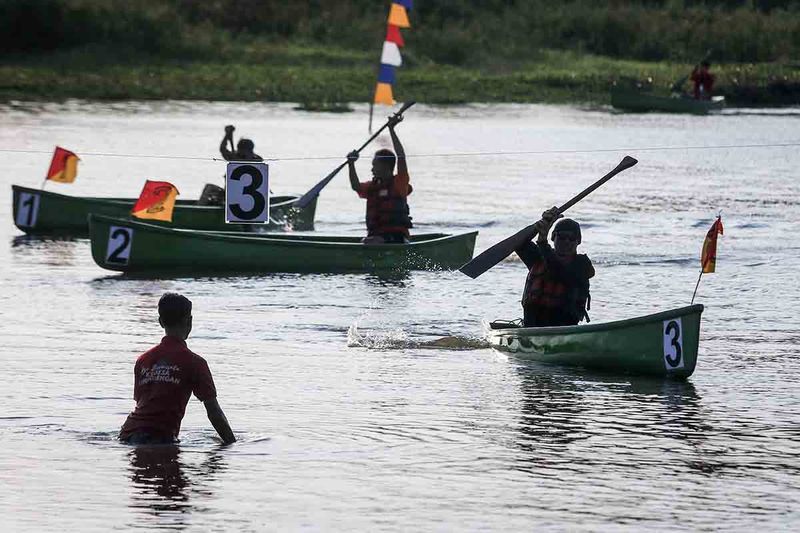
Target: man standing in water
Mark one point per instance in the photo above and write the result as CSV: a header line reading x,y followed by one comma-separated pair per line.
x,y
557,287
165,378
388,217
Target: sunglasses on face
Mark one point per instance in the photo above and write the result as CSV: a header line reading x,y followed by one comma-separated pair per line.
x,y
565,236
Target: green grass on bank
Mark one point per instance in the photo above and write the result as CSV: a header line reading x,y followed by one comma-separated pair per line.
x,y
313,73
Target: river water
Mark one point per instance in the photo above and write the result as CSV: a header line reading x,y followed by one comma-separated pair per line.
x,y
373,402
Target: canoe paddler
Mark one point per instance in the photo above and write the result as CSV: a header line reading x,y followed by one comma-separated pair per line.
x,y
703,81
166,376
388,217
244,148
557,287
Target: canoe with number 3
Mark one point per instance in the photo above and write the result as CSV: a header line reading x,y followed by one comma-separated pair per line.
x,y
662,344
133,246
39,212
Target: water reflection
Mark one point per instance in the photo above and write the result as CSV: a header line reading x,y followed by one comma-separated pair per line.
x,y
57,251
561,406
164,482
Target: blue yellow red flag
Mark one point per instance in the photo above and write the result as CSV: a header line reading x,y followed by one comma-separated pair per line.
x,y
63,167
156,202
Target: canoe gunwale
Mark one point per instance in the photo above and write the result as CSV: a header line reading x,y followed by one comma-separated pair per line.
x,y
261,238
600,326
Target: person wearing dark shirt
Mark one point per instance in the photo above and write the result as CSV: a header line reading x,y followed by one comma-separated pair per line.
x,y
388,217
166,376
703,81
557,287
244,148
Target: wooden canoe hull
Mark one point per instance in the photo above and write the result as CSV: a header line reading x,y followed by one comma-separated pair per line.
x,y
632,100
662,344
154,249
38,212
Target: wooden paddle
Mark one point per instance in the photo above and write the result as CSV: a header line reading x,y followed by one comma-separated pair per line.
x,y
676,87
308,197
503,249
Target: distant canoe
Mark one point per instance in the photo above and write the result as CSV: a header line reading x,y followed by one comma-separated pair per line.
x,y
662,344
630,99
132,246
44,212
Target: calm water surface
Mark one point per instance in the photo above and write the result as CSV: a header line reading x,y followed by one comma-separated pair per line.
x,y
373,402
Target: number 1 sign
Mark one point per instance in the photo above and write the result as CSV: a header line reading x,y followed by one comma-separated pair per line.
x,y
247,193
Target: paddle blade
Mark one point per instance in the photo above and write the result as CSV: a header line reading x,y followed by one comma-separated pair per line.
x,y
489,258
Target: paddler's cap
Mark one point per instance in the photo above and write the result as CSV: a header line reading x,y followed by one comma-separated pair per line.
x,y
567,225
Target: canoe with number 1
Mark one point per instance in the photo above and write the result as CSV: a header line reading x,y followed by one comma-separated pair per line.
x,y
39,212
133,246
663,344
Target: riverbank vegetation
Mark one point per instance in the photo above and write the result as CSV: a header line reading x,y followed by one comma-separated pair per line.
x,y
456,51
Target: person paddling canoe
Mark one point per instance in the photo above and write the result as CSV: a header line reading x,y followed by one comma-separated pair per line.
x,y
703,81
165,378
388,217
244,148
557,287
214,194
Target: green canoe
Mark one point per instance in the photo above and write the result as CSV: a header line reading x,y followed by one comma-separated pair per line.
x,y
133,246
663,344
630,99
44,212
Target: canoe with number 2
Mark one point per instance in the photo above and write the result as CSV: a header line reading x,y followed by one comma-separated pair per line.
x,y
38,212
662,344
139,247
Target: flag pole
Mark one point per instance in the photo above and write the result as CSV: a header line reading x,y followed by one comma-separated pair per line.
x,y
371,107
44,182
696,286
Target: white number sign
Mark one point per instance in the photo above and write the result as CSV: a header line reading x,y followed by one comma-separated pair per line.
x,y
673,343
247,193
27,210
119,245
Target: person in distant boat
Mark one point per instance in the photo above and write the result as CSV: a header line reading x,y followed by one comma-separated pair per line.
x,y
388,216
557,287
703,81
244,148
166,376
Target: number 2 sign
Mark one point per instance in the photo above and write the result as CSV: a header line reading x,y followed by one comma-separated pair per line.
x,y
247,193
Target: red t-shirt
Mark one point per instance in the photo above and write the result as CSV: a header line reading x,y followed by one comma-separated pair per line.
x,y
165,377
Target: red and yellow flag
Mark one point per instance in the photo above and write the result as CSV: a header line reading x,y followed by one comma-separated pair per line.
x,y
156,201
708,258
63,167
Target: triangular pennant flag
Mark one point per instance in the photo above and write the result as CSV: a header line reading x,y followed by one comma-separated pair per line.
x,y
391,55
398,16
156,201
393,35
708,257
386,74
63,167
383,94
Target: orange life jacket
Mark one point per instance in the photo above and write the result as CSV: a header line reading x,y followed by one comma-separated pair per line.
x,y
387,211
552,297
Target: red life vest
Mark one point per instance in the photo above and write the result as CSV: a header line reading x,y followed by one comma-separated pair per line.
x,y
555,301
387,211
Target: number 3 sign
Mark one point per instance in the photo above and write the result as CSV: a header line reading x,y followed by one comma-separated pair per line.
x,y
247,193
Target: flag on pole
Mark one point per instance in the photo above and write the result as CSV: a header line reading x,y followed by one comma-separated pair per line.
x,y
390,54
156,201
63,167
708,257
